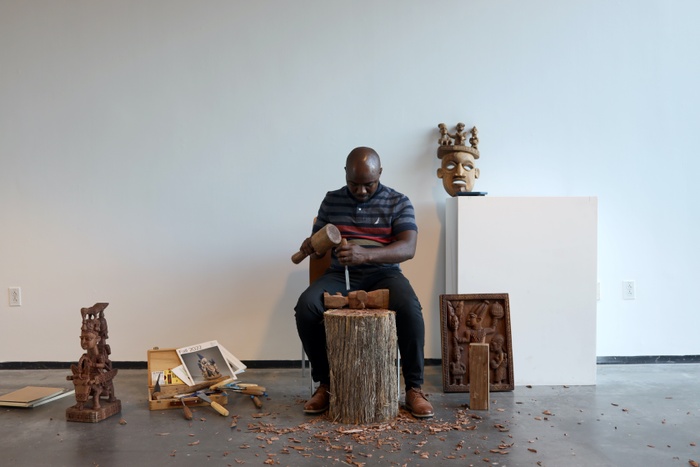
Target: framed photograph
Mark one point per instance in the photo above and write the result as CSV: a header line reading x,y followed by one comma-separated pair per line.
x,y
205,362
475,318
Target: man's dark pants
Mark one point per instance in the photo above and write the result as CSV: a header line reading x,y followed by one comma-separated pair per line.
x,y
410,328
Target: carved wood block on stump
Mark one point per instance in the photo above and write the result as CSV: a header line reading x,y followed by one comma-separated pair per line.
x,y
479,376
362,358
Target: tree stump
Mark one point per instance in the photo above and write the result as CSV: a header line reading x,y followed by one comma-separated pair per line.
x,y
361,348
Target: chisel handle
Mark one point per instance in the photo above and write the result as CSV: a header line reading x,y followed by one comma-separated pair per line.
x,y
221,383
250,391
219,408
186,410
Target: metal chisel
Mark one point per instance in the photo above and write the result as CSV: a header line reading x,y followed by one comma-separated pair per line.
x,y
344,242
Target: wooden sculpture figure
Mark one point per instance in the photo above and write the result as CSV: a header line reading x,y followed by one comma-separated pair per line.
x,y
93,375
458,171
460,135
457,367
445,139
499,359
208,367
475,332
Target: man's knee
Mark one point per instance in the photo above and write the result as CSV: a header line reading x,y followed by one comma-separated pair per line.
x,y
308,306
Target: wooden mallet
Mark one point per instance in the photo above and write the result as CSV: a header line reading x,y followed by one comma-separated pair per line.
x,y
323,240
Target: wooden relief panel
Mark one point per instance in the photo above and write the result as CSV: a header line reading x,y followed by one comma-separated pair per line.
x,y
475,318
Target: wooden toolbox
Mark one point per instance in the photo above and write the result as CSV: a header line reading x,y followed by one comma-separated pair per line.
x,y
160,364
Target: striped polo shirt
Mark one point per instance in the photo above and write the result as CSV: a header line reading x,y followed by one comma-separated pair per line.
x,y
373,223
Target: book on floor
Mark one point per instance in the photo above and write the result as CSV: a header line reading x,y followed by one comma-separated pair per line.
x,y
207,361
32,396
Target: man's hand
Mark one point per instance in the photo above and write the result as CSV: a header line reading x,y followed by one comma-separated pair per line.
x,y
308,250
306,247
350,254
399,251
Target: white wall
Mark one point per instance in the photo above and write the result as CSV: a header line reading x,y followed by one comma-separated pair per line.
x,y
168,156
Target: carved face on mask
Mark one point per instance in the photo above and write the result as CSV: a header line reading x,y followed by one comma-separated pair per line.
x,y
458,172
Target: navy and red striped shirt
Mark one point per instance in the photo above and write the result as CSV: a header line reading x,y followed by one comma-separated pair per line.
x,y
373,223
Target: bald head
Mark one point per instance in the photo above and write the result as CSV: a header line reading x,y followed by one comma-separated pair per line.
x,y
362,171
365,156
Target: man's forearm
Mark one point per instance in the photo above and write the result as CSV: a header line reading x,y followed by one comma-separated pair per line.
x,y
394,253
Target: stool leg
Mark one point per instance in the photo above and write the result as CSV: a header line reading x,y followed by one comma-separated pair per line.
x,y
303,370
398,373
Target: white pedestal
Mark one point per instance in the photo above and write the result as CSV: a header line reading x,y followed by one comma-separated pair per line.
x,y
542,252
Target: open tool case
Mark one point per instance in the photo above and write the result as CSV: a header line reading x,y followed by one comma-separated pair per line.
x,y
160,364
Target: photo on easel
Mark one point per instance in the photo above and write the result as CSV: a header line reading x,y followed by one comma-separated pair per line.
x,y
206,362
475,319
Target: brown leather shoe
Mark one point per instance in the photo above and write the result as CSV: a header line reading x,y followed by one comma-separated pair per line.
x,y
417,404
319,401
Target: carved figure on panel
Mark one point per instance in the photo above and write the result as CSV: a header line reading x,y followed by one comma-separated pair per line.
x,y
458,367
498,359
475,318
458,169
475,331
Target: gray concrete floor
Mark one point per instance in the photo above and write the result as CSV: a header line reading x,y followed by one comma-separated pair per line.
x,y
641,415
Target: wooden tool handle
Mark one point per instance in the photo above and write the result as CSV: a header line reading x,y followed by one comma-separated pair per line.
x,y
186,410
257,401
219,408
252,386
222,383
251,391
321,242
298,257
167,392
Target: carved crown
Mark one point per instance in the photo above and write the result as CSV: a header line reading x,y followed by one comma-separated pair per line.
x,y
457,141
91,325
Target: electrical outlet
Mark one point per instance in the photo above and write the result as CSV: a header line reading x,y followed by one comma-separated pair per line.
x,y
15,296
628,290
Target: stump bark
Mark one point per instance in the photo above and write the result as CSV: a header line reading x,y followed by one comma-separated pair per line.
x,y
361,348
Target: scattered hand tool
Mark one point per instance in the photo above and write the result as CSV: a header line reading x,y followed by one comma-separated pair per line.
x,y
215,405
344,242
156,388
185,399
321,241
243,388
170,391
186,410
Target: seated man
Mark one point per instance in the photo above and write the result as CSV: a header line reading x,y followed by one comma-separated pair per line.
x,y
379,224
